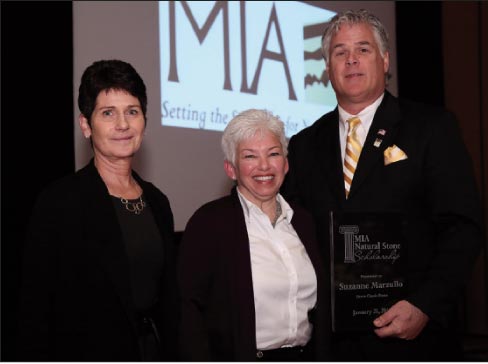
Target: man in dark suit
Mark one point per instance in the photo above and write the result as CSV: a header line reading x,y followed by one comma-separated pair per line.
x,y
401,156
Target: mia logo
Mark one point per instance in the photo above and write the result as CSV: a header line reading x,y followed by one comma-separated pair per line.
x,y
358,247
349,232
221,57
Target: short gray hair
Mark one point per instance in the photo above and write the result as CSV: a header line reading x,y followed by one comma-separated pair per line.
x,y
246,125
351,17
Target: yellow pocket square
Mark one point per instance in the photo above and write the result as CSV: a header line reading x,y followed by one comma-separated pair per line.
x,y
393,154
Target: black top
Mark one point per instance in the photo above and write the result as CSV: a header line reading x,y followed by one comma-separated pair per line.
x,y
144,250
76,296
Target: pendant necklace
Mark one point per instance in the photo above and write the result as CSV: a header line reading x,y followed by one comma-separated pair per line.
x,y
134,207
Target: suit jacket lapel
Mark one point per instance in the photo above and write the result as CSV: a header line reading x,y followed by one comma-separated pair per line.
x,y
386,119
329,154
103,230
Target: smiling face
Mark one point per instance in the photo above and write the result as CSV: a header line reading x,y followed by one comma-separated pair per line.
x,y
260,167
117,125
356,68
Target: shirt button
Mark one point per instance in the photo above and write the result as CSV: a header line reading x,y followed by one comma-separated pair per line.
x,y
259,354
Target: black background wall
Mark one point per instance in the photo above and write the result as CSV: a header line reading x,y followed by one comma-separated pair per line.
x,y
37,112
36,128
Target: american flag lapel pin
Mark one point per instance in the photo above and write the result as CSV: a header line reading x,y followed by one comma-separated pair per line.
x,y
379,140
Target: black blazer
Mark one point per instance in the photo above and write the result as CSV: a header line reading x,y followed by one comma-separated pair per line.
x,y
218,318
75,298
434,187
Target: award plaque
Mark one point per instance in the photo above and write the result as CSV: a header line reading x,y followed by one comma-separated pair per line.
x,y
368,258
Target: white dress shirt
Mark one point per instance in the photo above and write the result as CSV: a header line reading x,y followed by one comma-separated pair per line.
x,y
284,281
366,115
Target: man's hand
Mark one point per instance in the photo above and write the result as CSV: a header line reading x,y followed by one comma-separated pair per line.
x,y
402,320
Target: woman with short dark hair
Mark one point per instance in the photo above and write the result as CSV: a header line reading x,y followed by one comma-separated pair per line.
x,y
98,277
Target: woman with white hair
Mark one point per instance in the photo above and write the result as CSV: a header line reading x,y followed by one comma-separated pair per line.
x,y
249,271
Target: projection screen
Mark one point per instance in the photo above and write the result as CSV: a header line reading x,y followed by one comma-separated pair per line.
x,y
203,62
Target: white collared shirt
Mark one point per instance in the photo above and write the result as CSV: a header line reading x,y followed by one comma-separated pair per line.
x,y
284,281
366,115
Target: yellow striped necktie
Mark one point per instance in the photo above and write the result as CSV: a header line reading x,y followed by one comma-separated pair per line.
x,y
353,150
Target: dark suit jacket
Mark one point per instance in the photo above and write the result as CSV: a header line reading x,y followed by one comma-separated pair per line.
x,y
76,301
434,187
218,318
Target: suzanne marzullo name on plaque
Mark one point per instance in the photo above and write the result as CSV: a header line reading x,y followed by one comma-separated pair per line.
x,y
368,258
